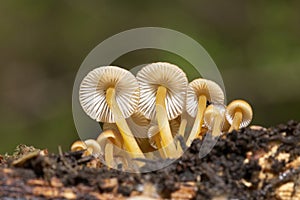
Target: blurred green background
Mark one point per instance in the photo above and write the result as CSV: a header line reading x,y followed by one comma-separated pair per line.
x,y
255,44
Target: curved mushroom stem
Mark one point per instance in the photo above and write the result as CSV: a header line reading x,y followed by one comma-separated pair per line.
x,y
129,141
163,123
198,120
237,120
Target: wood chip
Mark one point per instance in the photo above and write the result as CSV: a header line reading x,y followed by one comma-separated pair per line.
x,y
186,191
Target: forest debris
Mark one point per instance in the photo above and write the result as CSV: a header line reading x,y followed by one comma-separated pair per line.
x,y
288,191
25,157
186,191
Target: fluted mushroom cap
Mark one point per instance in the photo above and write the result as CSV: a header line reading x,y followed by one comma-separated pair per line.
x,y
244,107
197,87
164,74
92,92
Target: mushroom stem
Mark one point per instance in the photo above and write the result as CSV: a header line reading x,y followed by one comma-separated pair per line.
x,y
108,153
198,120
237,120
157,140
129,141
217,125
163,123
182,127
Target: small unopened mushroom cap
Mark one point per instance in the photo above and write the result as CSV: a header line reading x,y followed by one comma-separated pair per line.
x,y
92,93
78,146
111,134
244,107
197,87
211,112
164,74
93,147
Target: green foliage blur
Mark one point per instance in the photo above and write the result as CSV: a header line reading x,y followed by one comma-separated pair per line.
x,y
255,44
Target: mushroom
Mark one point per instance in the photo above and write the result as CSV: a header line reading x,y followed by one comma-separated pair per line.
x,y
162,95
111,94
199,92
239,114
214,118
107,141
90,146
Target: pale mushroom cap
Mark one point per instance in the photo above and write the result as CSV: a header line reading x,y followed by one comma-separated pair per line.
x,y
92,93
211,112
164,74
152,131
197,87
242,106
93,144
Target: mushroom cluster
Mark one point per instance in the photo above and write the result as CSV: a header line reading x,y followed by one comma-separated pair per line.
x,y
151,114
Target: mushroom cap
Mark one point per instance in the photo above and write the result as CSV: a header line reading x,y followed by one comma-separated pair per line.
x,y
164,74
244,107
94,146
78,146
211,112
200,86
112,135
152,131
92,92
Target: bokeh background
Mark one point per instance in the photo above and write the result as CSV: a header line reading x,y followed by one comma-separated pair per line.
x,y
255,44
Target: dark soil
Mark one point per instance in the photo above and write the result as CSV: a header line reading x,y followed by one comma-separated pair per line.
x,y
231,170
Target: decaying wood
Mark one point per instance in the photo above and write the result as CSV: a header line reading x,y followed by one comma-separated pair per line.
x,y
249,164
13,184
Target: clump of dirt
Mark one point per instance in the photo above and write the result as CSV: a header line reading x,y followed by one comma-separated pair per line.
x,y
245,164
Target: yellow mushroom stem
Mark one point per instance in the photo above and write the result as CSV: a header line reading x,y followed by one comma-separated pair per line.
x,y
182,127
196,129
237,120
163,123
158,143
217,126
109,153
129,141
